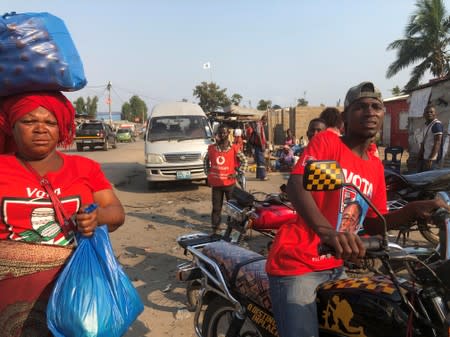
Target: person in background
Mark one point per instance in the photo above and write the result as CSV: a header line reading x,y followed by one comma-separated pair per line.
x,y
431,147
36,237
224,158
301,142
248,145
294,265
238,140
315,126
333,120
286,159
290,139
260,145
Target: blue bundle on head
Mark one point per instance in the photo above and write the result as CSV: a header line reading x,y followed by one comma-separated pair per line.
x,y
37,53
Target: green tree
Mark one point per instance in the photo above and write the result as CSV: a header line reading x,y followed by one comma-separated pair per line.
x,y
134,110
125,113
91,107
425,42
80,106
210,96
302,102
396,91
236,99
264,105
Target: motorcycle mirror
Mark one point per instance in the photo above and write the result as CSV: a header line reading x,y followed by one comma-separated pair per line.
x,y
323,175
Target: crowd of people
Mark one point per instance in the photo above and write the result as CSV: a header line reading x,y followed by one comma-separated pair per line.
x,y
252,141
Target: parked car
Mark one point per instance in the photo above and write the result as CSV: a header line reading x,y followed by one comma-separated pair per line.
x,y
95,133
125,135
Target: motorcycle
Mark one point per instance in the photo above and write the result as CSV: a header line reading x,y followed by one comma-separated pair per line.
x,y
233,298
246,212
402,189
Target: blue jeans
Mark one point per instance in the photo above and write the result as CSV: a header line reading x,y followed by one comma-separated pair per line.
x,y
294,301
260,163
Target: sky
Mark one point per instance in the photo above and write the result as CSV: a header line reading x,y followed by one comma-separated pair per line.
x,y
279,50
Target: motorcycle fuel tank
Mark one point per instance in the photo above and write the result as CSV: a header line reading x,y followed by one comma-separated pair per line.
x,y
365,307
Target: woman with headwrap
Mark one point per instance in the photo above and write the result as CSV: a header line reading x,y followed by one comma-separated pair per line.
x,y
35,234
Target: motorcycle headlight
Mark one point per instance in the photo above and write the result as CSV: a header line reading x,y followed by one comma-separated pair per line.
x,y
153,158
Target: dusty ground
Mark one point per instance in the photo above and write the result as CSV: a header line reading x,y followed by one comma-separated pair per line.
x,y
146,244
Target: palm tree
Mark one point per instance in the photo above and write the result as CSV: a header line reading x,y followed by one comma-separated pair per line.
x,y
426,41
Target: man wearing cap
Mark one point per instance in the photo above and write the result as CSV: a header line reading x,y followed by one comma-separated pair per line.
x,y
294,265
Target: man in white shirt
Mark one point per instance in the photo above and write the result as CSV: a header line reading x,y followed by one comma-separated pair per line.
x,y
430,150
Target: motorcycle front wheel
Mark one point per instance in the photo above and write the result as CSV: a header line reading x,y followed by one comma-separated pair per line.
x,y
217,319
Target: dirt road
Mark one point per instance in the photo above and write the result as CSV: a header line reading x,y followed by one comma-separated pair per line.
x,y
146,244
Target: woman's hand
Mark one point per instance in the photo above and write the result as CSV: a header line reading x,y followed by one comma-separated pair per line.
x,y
86,222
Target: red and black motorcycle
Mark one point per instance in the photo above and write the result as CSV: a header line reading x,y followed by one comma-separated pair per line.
x,y
233,299
245,211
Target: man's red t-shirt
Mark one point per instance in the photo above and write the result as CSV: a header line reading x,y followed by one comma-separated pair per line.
x,y
295,248
27,212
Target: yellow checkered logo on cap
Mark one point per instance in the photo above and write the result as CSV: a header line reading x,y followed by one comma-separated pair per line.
x,y
323,176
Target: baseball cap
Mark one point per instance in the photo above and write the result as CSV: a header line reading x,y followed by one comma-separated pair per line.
x,y
362,90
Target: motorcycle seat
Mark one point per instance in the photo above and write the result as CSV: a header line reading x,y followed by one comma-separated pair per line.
x,y
435,180
243,270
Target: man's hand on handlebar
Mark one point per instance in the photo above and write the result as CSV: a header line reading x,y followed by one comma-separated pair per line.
x,y
346,245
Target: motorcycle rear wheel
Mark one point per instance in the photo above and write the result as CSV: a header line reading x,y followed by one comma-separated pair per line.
x,y
218,317
192,294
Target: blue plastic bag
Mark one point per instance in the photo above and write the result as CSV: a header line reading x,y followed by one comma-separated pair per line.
x,y
92,295
37,53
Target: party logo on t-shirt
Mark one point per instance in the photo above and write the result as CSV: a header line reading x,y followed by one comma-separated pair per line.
x,y
37,219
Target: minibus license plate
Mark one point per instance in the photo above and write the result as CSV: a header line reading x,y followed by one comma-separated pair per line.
x,y
183,175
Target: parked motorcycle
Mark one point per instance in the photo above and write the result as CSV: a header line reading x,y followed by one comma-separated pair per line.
x,y
233,298
402,189
265,215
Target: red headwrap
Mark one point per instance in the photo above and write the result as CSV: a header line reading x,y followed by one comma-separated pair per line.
x,y
13,108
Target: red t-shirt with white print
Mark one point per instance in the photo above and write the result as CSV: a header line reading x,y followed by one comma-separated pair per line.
x,y
27,212
295,248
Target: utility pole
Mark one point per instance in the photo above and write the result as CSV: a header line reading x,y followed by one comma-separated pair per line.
x,y
108,87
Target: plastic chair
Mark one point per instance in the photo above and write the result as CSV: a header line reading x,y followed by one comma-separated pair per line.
x,y
393,158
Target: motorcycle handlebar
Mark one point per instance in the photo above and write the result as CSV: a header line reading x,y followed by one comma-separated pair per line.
x,y
371,244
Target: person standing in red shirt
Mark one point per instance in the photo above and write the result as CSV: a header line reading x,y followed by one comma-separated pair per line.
x,y
248,145
238,139
294,265
224,158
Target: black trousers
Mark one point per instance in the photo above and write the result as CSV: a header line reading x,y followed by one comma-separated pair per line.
x,y
217,202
